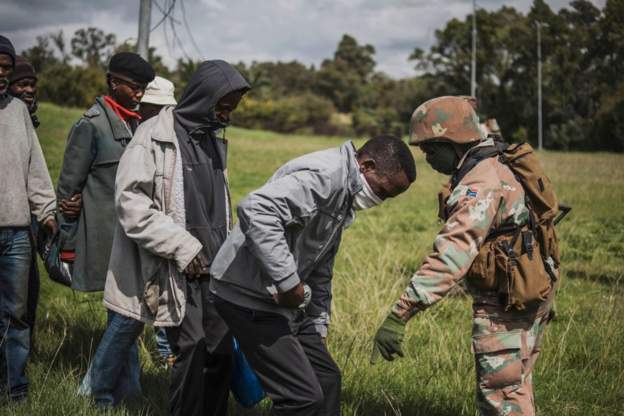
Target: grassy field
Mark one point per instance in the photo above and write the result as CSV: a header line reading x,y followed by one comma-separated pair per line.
x,y
581,370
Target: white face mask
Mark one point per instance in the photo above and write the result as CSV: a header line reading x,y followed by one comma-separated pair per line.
x,y
366,198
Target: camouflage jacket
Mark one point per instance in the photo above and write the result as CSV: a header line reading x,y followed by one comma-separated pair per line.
x,y
486,198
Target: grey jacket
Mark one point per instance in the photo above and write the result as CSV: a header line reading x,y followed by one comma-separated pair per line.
x,y
24,178
94,146
289,232
151,246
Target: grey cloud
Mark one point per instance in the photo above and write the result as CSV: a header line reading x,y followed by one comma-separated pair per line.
x,y
30,14
235,30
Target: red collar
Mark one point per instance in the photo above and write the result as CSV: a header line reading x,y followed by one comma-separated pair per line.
x,y
121,111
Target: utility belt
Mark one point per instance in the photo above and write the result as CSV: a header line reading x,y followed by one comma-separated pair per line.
x,y
489,304
510,264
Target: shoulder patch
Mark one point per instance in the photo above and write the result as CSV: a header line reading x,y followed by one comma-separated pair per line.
x,y
92,112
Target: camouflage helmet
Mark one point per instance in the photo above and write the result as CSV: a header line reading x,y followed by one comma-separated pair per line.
x,y
447,118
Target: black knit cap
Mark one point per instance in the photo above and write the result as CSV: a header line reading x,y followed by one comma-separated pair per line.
x,y
7,47
132,66
23,69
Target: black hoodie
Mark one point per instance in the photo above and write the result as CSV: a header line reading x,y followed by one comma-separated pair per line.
x,y
203,154
212,81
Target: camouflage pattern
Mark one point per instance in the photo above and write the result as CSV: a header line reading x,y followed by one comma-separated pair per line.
x,y
446,118
488,196
506,347
506,344
471,100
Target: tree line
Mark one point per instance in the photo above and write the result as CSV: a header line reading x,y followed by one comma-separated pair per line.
x,y
583,85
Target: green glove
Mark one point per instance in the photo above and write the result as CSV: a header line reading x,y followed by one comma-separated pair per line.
x,y
388,339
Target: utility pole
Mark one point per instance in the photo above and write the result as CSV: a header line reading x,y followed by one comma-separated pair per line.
x,y
473,72
539,86
145,12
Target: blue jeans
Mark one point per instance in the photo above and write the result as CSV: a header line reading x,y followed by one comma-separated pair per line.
x,y
34,281
114,373
15,257
164,349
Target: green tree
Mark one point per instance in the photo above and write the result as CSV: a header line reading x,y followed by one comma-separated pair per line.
x,y
92,46
278,79
42,54
582,67
342,78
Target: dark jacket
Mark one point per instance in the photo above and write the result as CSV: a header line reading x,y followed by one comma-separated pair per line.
x,y
94,147
152,244
203,154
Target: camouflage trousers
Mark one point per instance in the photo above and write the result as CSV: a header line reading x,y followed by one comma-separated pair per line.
x,y
506,346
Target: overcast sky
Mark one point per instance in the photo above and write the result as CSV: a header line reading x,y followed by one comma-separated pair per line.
x,y
247,30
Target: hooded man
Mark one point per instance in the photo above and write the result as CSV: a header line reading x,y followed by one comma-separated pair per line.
x,y
173,206
94,146
490,237
26,190
272,277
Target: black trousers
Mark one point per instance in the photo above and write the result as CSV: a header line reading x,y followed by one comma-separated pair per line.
x,y
294,367
200,378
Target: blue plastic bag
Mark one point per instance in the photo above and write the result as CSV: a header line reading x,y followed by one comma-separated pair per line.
x,y
245,385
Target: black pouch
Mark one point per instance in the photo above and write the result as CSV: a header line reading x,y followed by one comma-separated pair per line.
x,y
49,248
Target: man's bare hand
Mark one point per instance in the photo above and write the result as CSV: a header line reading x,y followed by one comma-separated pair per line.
x,y
70,207
198,266
293,298
50,226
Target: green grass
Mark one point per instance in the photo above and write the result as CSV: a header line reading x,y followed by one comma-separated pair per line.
x,y
580,372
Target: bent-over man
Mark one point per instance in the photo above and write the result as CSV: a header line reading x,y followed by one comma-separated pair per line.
x,y
284,245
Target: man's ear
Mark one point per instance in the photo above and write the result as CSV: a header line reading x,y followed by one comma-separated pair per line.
x,y
112,83
366,164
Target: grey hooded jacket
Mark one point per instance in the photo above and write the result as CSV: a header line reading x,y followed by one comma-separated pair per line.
x,y
289,232
152,246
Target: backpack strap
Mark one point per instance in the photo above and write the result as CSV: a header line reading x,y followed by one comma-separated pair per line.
x,y
474,157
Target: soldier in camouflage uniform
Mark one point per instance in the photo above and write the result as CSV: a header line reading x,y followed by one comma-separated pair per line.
x,y
506,342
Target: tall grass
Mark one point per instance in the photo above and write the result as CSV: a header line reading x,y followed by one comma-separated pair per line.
x,y
580,372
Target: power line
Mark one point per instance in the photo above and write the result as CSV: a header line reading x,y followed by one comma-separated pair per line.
x,y
168,10
188,29
169,44
165,16
177,38
159,7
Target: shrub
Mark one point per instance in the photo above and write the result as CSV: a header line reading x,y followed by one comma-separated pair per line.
x,y
289,114
372,122
71,86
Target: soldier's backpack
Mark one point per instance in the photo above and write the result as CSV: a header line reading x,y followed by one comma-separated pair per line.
x,y
519,262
